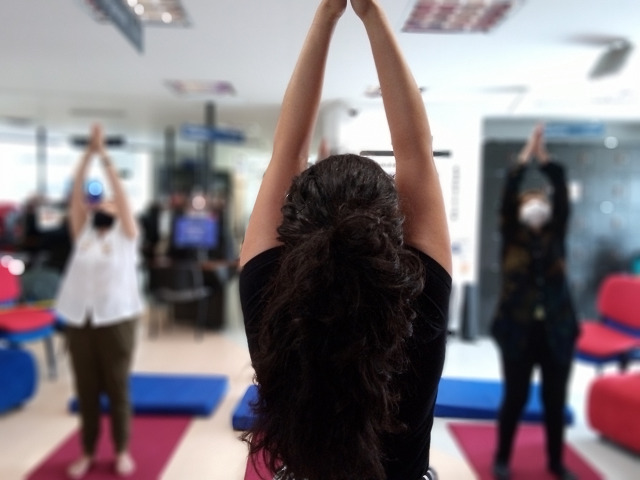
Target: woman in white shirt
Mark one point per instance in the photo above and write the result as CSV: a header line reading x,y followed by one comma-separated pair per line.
x,y
100,300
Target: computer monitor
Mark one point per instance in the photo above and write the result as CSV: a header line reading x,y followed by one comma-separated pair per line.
x,y
200,233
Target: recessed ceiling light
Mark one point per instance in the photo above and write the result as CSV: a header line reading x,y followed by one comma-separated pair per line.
x,y
5,260
16,267
198,202
373,92
611,142
160,13
376,92
202,88
457,16
17,121
98,112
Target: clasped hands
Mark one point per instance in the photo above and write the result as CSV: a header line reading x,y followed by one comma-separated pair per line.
x,y
96,144
337,7
535,146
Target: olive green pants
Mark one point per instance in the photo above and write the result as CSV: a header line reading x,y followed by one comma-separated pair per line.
x,y
101,358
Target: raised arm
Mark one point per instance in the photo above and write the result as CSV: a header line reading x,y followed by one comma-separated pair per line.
x,y
560,199
417,180
125,214
78,208
293,133
556,174
510,203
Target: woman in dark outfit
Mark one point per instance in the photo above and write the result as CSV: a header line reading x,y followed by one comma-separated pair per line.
x,y
346,283
535,323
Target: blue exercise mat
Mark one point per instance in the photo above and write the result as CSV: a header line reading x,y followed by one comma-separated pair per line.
x,y
243,416
457,398
481,400
172,394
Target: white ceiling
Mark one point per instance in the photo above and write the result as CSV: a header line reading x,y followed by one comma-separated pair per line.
x,y
54,57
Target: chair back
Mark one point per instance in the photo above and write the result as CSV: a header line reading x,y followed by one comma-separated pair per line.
x,y
159,278
619,303
39,284
9,287
180,276
185,276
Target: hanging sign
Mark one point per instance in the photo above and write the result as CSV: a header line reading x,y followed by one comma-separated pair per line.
x,y
202,133
121,15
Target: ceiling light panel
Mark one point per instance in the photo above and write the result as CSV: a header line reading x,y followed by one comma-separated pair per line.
x,y
166,13
376,91
457,16
201,88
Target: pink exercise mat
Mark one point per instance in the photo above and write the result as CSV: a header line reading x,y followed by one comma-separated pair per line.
x,y
259,471
153,440
529,461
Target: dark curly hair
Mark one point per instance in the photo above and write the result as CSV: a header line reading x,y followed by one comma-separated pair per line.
x,y
332,339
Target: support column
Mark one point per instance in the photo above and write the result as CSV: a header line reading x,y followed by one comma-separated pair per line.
x,y
209,147
41,160
166,183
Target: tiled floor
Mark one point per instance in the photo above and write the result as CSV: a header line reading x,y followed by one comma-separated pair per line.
x,y
211,450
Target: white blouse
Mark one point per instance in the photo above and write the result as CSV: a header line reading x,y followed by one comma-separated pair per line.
x,y
101,281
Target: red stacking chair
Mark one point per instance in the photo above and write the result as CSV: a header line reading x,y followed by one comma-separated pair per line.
x,y
616,337
24,323
613,408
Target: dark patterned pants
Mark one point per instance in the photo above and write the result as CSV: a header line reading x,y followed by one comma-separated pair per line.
x,y
517,379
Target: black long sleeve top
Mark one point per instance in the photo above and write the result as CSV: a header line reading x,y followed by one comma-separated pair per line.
x,y
534,282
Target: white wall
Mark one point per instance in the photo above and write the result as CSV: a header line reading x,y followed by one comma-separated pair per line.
x,y
18,181
456,129
247,166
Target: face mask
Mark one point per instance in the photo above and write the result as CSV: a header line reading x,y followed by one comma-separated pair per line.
x,y
535,213
102,220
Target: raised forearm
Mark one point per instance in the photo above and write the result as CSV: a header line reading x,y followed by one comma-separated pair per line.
x,y
404,106
515,175
425,226
77,206
555,172
77,194
120,197
510,202
293,133
302,99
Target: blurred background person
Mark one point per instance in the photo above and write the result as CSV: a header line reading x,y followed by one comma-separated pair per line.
x,y
535,323
100,301
150,223
179,206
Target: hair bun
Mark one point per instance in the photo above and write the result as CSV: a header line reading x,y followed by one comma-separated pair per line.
x,y
360,234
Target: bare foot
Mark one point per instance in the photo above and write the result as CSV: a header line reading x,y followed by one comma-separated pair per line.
x,y
79,468
125,466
